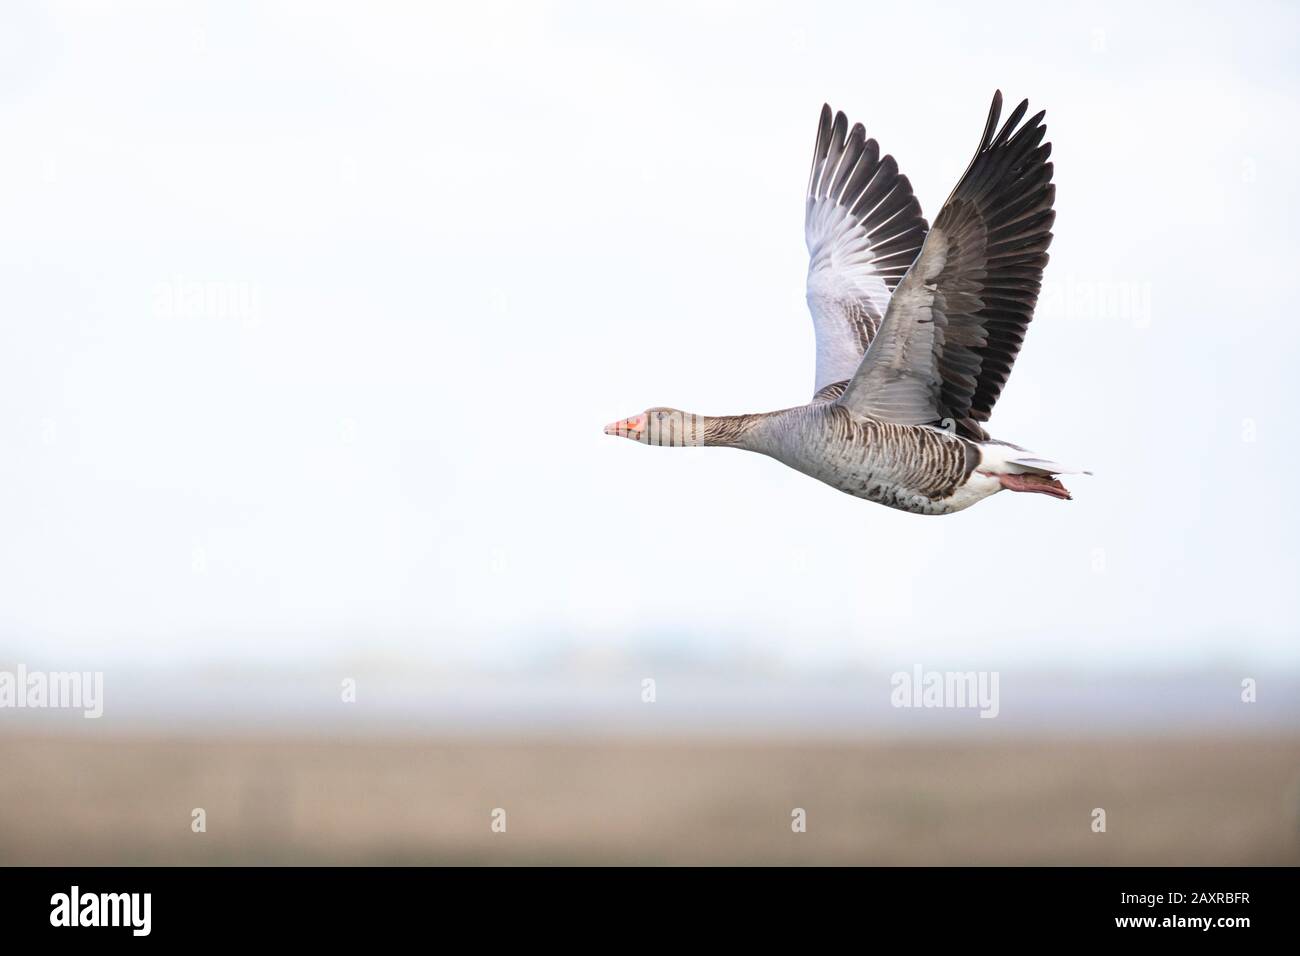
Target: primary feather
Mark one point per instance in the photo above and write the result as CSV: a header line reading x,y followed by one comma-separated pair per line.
x,y
863,228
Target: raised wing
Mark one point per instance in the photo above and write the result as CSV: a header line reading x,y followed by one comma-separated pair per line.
x,y
956,321
863,227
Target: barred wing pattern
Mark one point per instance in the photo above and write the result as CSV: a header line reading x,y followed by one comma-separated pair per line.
x,y
956,322
863,228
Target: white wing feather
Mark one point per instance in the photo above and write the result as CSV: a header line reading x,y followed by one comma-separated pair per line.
x,y
863,228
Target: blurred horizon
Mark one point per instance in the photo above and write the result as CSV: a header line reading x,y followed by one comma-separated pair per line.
x,y
604,698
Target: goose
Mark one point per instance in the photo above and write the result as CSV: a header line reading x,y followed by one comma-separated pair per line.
x,y
917,326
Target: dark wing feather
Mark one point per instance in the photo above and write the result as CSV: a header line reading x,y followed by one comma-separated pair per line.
x,y
956,322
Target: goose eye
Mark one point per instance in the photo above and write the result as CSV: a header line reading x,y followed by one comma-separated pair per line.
x,y
661,416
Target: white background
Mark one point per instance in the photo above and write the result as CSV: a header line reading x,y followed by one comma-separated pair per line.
x,y
313,315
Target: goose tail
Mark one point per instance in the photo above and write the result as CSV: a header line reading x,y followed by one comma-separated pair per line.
x,y
1045,466
1019,469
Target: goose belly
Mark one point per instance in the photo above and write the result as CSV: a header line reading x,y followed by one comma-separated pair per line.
x,y
975,488
903,495
914,469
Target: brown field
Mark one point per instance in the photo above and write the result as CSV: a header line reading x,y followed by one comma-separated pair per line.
x,y
129,801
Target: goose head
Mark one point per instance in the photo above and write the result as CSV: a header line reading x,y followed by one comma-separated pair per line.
x,y
661,426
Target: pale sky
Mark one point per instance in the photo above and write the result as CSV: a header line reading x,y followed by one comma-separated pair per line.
x,y
313,316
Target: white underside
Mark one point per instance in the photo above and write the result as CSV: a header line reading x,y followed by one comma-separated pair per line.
x,y
977,487
997,459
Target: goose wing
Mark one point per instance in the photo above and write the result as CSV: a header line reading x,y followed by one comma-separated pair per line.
x,y
863,227
956,321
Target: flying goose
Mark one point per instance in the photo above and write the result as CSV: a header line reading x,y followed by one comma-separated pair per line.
x,y
916,328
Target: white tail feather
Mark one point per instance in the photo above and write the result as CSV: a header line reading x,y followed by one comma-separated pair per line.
x,y
999,459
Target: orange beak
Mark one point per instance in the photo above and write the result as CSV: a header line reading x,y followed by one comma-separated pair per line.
x,y
628,427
